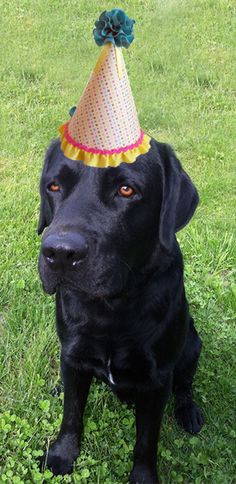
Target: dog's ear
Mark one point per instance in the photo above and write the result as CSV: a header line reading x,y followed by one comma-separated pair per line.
x,y
45,214
179,197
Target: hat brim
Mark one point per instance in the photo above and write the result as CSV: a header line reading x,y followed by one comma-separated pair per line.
x,y
102,158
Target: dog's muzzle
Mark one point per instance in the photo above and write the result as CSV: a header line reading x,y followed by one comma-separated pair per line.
x,y
64,251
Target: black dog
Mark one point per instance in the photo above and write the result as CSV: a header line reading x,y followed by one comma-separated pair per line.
x,y
111,255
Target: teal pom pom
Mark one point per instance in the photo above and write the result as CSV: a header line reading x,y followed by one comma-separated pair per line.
x,y
115,27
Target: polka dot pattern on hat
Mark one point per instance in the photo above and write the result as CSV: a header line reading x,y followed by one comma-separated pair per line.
x,y
106,116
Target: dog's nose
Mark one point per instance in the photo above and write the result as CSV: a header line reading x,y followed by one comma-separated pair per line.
x,y
64,250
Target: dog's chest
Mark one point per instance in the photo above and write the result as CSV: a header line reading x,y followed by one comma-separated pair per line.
x,y
118,363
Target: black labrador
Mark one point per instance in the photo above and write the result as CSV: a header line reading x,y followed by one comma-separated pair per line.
x,y
111,256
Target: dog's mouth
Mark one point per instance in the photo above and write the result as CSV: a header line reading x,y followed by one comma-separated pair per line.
x,y
94,280
99,292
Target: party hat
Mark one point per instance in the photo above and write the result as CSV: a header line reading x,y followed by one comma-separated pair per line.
x,y
104,129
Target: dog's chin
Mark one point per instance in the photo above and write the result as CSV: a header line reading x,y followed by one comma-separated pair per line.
x,y
91,293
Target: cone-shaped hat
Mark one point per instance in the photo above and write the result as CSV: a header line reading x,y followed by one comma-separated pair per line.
x,y
104,129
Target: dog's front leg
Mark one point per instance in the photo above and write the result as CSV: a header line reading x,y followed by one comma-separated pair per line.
x,y
149,408
63,452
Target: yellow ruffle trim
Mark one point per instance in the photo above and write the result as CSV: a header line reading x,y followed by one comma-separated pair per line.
x,y
99,160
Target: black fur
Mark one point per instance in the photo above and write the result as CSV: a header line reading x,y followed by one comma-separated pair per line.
x,y
121,309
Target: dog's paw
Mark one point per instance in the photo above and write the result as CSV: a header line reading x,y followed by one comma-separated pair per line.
x,y
189,417
56,464
143,475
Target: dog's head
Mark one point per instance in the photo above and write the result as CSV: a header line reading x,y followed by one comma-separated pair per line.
x,y
105,225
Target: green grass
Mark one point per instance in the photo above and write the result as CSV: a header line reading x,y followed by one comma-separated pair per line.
x,y
182,71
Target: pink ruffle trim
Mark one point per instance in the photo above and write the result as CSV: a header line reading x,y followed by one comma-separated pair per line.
x,y
101,152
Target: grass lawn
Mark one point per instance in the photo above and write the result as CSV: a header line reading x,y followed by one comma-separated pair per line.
x,y
182,72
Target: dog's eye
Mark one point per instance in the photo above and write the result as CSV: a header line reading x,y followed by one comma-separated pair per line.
x,y
126,191
54,187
